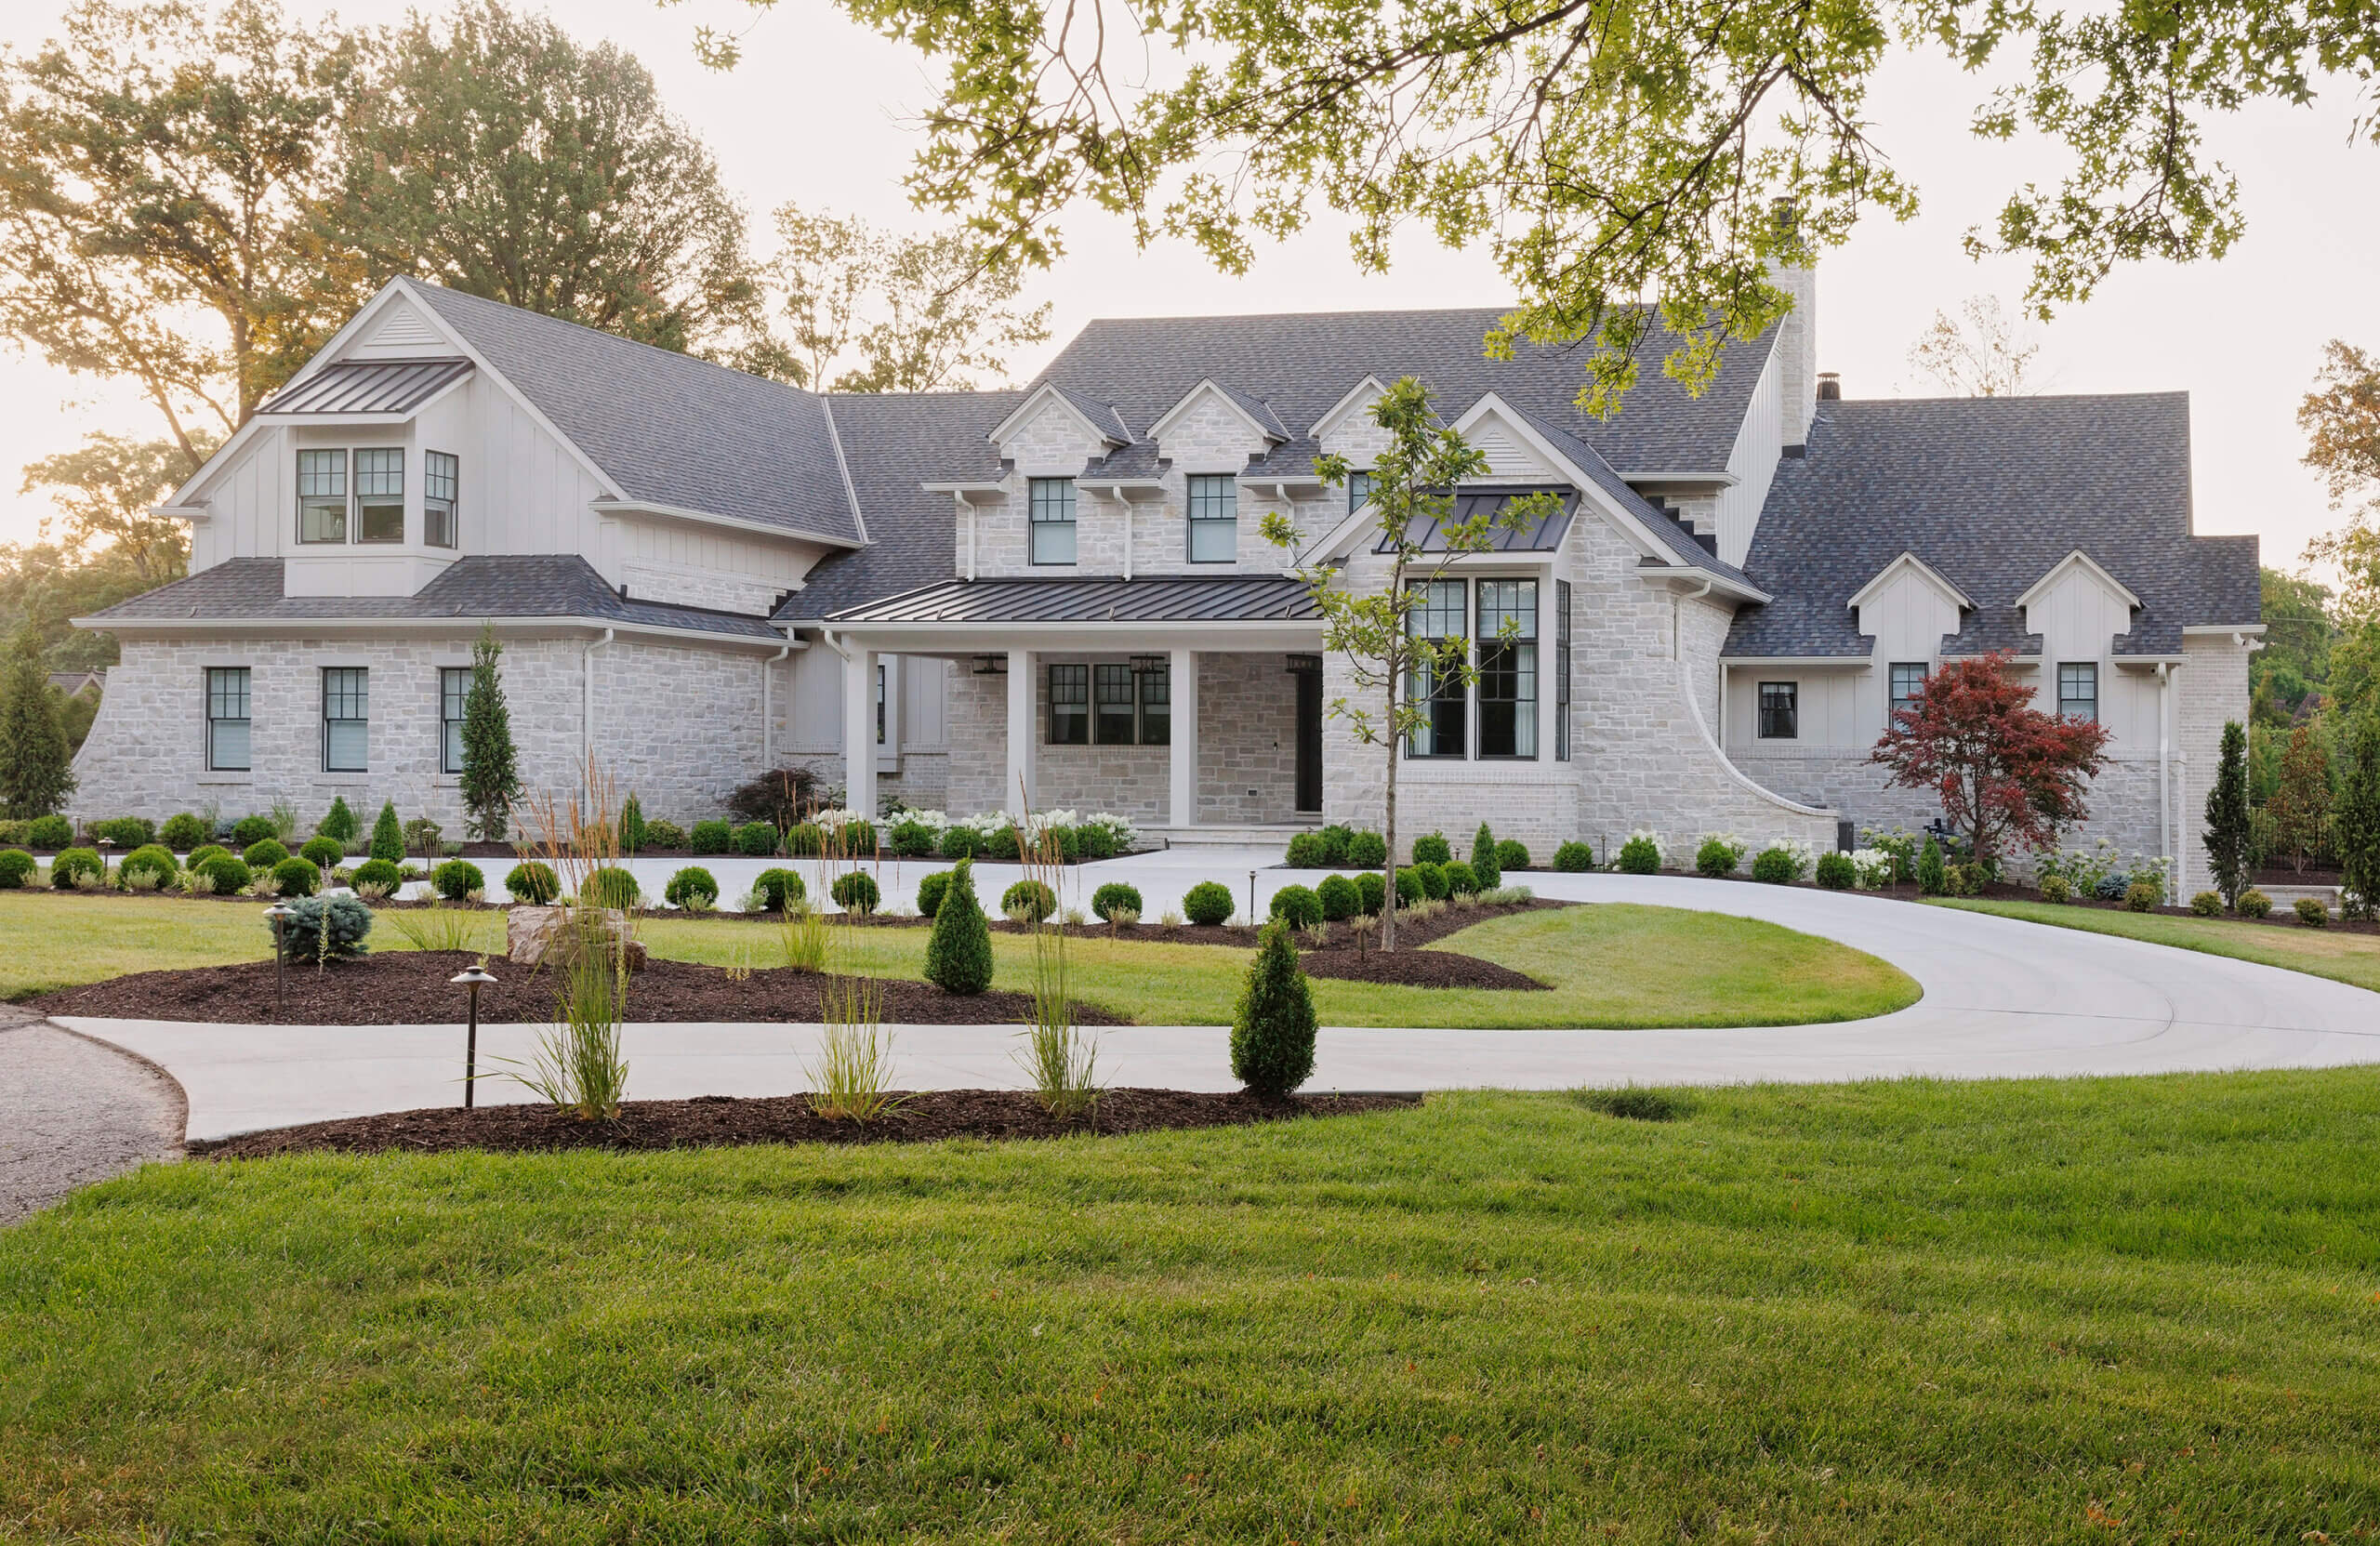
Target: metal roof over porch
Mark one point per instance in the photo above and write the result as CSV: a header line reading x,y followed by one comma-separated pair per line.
x,y
1159,598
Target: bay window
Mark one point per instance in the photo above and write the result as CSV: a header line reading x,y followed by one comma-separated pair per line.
x,y
380,494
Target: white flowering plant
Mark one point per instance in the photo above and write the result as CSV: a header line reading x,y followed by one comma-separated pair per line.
x,y
1874,868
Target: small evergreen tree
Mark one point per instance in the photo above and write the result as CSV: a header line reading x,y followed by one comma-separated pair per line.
x,y
631,824
339,825
1487,866
1272,1030
958,953
491,774
2227,817
2356,821
1931,878
2301,802
389,836
37,772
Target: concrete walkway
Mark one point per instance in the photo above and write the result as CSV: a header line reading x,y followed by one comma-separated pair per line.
x,y
74,1111
2003,998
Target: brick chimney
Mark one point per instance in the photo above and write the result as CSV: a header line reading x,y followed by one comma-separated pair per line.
x,y
1797,337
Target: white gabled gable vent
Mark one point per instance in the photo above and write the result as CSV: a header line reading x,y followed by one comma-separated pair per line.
x,y
1509,457
401,331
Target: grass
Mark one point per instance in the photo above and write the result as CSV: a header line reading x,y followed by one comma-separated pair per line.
x,y
1608,965
2319,952
2072,1311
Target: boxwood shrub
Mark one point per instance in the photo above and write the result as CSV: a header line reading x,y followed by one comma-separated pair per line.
x,y
1033,898
2312,911
456,879
1113,898
324,853
297,876
1366,850
779,890
959,842
1640,856
1298,906
181,833
1207,904
264,854
1433,849
1095,842
1372,892
855,891
17,866
709,837
227,873
1433,876
1836,872
1574,858
931,891
1462,879
126,832
755,839
913,840
1510,853
1335,838
693,888
1338,896
204,851
613,886
663,834
249,830
1307,850
51,832
386,878
153,859
859,839
2207,903
2253,903
1777,867
72,861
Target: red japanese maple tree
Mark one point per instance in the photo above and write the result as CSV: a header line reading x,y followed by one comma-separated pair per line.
x,y
2001,768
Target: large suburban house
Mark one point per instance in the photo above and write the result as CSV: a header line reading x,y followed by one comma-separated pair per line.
x,y
1060,594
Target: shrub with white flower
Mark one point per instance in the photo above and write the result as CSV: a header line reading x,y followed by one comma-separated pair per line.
x,y
1872,868
1649,835
1127,837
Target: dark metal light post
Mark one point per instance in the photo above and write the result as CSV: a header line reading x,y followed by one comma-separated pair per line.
x,y
474,978
279,915
1252,899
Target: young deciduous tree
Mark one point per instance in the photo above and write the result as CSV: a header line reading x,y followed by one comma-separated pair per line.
x,y
35,770
2300,806
1375,609
2354,829
2003,770
2227,817
491,772
1985,356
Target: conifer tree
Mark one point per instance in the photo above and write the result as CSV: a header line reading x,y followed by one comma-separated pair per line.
x,y
2227,817
2355,819
36,770
340,824
1932,877
491,774
958,953
632,823
1483,859
1272,1030
389,836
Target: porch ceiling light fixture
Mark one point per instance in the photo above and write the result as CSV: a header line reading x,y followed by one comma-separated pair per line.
x,y
1148,665
991,665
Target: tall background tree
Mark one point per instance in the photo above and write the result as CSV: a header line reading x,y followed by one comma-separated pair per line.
x,y
34,772
1986,354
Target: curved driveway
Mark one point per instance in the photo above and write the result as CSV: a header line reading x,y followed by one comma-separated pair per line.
x,y
2003,998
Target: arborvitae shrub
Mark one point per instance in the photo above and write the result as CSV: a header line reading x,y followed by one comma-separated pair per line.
x,y
264,854
323,853
1486,860
340,824
1207,904
1372,892
1366,850
780,889
755,839
1640,856
1574,857
930,891
693,887
712,837
456,879
347,921
72,861
1033,898
1510,853
227,873
633,832
855,891
1273,1027
389,836
181,833
1836,872
958,952
1114,897
1433,849
528,881
1339,897
1461,880
1298,906
1931,875
611,886
297,876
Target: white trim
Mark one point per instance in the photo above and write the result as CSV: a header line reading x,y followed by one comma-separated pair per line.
x,y
851,491
706,518
2089,564
1117,487
1803,662
282,629
1926,571
1207,384
2189,630
1032,406
1340,409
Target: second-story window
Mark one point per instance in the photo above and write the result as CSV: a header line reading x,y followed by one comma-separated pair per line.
x,y
380,494
2078,691
322,497
1051,511
1908,680
440,487
347,719
1360,490
1214,518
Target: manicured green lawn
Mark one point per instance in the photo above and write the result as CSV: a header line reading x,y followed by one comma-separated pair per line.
x,y
2321,952
1610,965
2082,1311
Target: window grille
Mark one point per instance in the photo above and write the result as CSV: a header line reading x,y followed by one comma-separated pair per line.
x,y
1069,706
1214,518
227,719
1508,668
2078,691
380,494
1051,506
322,497
347,719
441,488
1434,683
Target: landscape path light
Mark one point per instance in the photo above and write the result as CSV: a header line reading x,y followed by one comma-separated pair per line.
x,y
279,915
473,978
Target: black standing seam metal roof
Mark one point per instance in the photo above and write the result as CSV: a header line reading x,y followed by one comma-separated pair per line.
x,y
1542,535
1155,598
367,386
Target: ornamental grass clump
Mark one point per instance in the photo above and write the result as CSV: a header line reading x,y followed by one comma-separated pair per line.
x,y
1059,1055
578,1067
440,926
852,1079
1273,1026
959,951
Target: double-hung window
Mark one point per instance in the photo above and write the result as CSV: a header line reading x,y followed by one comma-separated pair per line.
x,y
1908,681
1432,685
1111,705
454,701
1156,706
227,719
1070,706
380,494
322,497
347,719
2078,690
1214,518
1049,512
441,480
1561,670
1508,668
1781,711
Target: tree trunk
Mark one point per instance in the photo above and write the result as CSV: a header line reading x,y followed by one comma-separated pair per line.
x,y
1388,868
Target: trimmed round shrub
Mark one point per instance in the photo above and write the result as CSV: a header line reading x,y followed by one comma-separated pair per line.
x,y
931,891
72,861
227,872
1366,849
1335,840
1775,867
1113,898
693,888
153,859
1372,892
1063,843
1433,849
323,853
126,832
1410,889
2254,904
1574,858
755,839
1836,872
456,879
386,879
1640,856
343,918
855,892
2207,903
1273,1026
181,833
2312,911
663,834
612,886
2057,888
804,840
1511,853
55,831
1717,858
780,889
913,840
1033,898
530,880
17,866
1207,904
1297,906
708,836
1339,898
859,839
264,854
200,855
958,952
1307,850
2142,896
959,842
251,830
1432,877
1000,846
1096,844
297,876
1462,879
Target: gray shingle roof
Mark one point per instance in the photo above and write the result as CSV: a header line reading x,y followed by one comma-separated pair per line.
x,y
1153,599
1681,539
367,387
667,428
1992,493
557,586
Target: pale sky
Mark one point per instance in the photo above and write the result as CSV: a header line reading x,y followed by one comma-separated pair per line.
x,y
817,113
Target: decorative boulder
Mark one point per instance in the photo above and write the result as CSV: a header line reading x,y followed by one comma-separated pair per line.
x,y
533,935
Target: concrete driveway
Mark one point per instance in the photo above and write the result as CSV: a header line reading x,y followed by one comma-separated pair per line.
x,y
2003,998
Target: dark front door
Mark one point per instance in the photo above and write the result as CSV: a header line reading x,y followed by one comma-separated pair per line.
x,y
1308,674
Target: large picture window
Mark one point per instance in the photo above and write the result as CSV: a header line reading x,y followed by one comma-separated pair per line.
x,y
1908,681
322,497
442,487
453,699
347,719
1433,686
1050,509
227,719
1070,706
1781,711
2078,691
1561,670
1508,668
1214,518
380,494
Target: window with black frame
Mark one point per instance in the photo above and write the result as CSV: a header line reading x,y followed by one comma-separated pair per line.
x,y
1781,711
1214,518
1156,706
1561,670
1908,681
1507,668
2078,691
227,719
1050,509
1433,684
347,719
1112,715
454,702
1070,706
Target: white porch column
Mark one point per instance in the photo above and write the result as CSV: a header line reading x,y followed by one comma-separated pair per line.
x,y
1022,732
1182,762
859,731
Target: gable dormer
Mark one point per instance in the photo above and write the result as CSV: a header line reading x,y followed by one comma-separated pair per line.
x,y
1909,607
1054,431
1346,429
1215,428
1512,455
2077,608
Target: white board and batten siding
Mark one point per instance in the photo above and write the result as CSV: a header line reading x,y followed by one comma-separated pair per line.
x,y
1753,462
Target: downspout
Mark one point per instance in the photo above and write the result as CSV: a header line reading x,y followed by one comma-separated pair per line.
x,y
1678,600
1130,509
970,540
2164,771
768,719
587,709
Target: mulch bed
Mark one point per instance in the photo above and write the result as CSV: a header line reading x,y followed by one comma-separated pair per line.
x,y
725,1121
405,988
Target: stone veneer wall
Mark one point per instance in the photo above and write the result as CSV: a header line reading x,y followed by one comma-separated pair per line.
x,y
678,725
